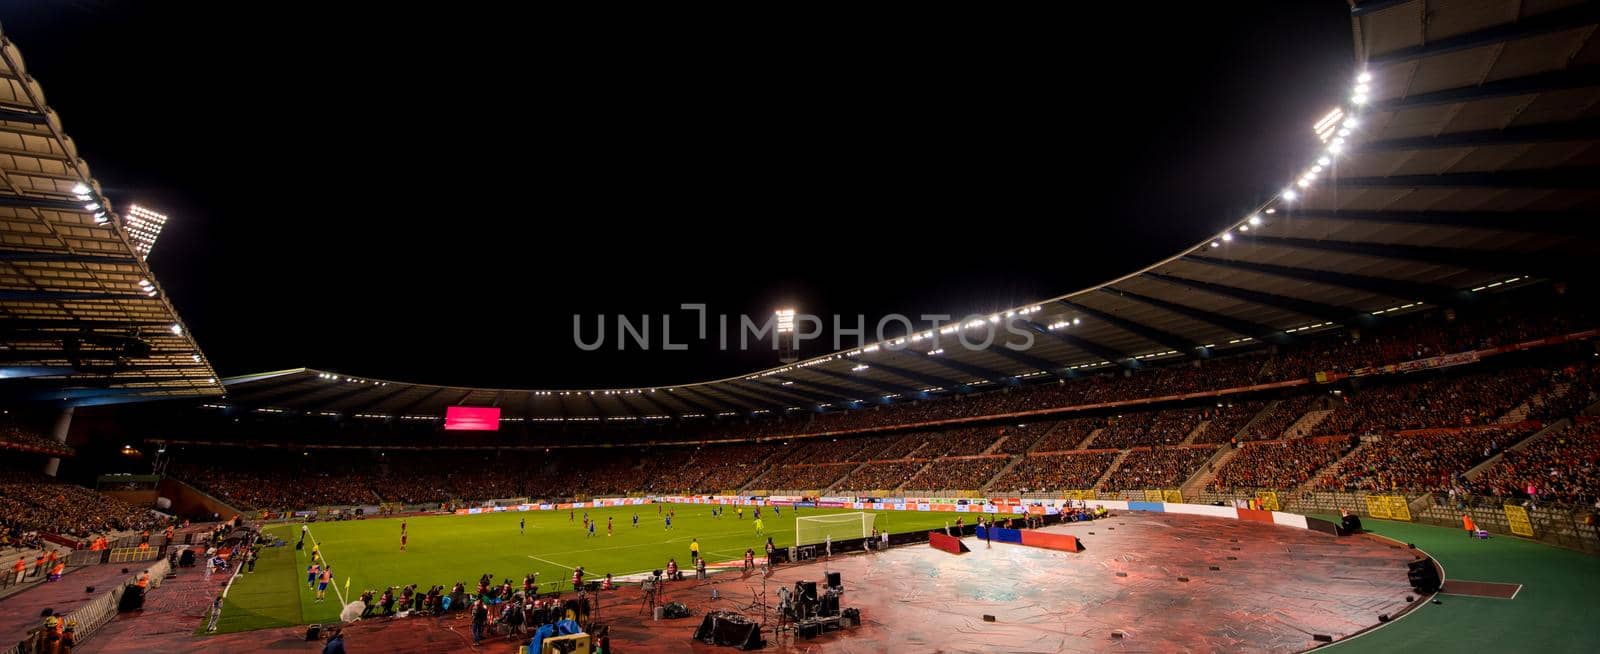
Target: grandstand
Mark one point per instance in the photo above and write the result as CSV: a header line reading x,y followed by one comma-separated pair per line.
x,y
1409,336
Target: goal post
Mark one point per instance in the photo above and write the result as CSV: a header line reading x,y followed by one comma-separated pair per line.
x,y
813,529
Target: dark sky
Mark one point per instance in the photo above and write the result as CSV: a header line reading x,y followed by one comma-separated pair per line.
x,y
432,196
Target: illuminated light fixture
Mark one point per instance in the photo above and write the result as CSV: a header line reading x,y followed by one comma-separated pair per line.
x,y
1359,98
1303,184
1227,237
1272,211
80,189
860,368
1216,244
144,227
196,358
1289,194
1256,220
176,329
92,206
1324,161
1351,123
81,196
785,320
1316,169
1363,89
1077,321
1364,77
1244,228
1336,148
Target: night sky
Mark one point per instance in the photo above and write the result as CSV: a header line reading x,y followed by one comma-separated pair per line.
x,y
432,196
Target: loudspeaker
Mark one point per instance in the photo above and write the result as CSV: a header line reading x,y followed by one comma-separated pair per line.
x,y
313,632
988,618
835,580
828,605
1422,574
132,599
1383,617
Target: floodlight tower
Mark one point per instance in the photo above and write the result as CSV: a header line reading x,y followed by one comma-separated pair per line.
x,y
788,343
144,227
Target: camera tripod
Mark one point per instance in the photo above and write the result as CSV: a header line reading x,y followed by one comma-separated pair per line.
x,y
652,596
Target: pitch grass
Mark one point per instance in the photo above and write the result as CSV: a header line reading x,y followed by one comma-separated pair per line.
x,y
445,549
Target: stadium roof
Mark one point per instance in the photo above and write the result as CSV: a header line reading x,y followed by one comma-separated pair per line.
x,y
1464,161
82,319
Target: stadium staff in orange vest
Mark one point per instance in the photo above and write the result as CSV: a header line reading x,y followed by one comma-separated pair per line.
x,y
55,572
1466,523
144,580
21,568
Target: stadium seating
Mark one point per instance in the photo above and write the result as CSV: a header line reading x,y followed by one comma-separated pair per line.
x,y
1279,465
1056,472
1429,461
1157,468
1563,467
32,502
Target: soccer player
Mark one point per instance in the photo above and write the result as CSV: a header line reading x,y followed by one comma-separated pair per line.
x,y
311,574
322,583
760,530
591,531
776,511
316,554
571,515
740,512
522,525
402,526
694,549
669,522
757,512
608,526
402,541
635,520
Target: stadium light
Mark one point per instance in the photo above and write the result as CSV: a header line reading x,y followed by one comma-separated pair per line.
x,y
1255,220
1364,77
1227,237
785,320
144,227
177,329
1288,195
80,189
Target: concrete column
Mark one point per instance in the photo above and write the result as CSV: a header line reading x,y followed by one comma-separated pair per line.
x,y
63,425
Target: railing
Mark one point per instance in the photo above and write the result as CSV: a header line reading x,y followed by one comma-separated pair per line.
x,y
89,617
1572,526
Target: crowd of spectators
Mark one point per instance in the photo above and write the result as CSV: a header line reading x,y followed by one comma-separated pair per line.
x,y
1056,472
32,503
1474,399
1021,438
1224,421
1150,428
1066,434
1562,467
881,476
1280,418
1429,461
19,437
1280,465
802,477
957,474
1157,468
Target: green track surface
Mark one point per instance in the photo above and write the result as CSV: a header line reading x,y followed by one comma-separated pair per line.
x,y
449,548
1556,610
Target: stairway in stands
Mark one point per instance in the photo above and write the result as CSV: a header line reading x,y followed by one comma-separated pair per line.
x,y
1520,412
1115,463
1306,423
1195,433
1053,427
1196,483
1332,468
1003,470
1265,411
1089,439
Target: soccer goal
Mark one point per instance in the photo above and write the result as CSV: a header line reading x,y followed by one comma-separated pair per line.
x,y
809,530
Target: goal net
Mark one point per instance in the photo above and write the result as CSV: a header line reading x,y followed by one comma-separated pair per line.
x,y
810,530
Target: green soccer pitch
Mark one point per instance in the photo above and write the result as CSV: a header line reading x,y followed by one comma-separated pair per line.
x,y
446,549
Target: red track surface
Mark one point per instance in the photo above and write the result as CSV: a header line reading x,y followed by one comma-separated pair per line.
x,y
1283,586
